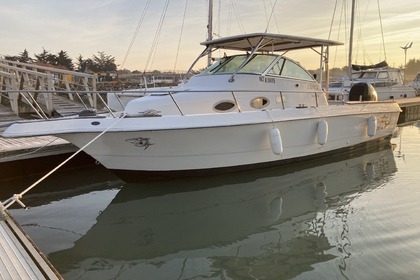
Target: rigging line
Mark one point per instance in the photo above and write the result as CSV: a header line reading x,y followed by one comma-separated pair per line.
x,y
133,39
382,31
332,20
266,16
238,18
229,18
272,12
157,35
180,35
275,18
16,197
340,24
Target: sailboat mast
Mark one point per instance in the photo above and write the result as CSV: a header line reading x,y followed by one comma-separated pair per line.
x,y
353,3
210,29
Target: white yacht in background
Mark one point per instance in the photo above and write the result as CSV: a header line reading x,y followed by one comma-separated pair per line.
x,y
388,83
249,110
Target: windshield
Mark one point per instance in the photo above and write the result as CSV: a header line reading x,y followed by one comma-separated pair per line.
x,y
257,64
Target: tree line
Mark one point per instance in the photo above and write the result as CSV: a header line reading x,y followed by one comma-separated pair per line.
x,y
103,63
99,63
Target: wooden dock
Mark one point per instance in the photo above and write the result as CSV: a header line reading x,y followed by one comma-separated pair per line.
x,y
19,257
410,110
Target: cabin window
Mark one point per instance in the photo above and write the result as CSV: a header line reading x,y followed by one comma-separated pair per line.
x,y
383,75
278,66
258,64
368,75
230,64
259,102
293,70
396,77
224,106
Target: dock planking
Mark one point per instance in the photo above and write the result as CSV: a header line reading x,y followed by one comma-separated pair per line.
x,y
20,258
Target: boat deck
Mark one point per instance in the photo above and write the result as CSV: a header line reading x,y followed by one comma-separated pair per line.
x,y
20,259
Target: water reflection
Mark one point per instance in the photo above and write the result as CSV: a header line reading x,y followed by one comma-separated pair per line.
x,y
274,223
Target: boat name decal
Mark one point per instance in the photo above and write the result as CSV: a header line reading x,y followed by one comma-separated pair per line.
x,y
140,142
267,80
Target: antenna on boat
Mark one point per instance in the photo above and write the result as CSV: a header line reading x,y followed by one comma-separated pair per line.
x,y
405,52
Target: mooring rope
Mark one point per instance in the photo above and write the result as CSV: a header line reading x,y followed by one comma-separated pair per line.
x,y
17,197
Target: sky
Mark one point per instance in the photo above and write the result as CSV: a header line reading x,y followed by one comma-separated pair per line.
x,y
85,28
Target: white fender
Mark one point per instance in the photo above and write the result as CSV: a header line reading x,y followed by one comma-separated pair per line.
x,y
276,142
322,133
371,126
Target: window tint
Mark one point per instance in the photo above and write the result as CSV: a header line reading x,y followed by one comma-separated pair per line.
x,y
258,64
231,64
276,70
292,70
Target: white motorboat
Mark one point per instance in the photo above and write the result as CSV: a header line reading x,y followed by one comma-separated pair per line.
x,y
387,81
245,111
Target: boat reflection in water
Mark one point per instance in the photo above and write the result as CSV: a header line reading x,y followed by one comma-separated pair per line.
x,y
273,223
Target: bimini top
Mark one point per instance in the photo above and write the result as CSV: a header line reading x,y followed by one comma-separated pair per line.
x,y
266,42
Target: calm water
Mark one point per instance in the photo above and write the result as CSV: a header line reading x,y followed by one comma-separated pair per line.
x,y
341,218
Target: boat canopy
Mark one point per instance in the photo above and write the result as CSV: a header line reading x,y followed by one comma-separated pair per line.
x,y
266,42
382,64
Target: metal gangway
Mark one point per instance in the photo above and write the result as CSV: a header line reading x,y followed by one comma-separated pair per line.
x,y
46,91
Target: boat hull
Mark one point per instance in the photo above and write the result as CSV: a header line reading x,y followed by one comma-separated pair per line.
x,y
213,143
233,146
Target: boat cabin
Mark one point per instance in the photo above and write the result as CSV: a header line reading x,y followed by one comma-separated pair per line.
x,y
258,78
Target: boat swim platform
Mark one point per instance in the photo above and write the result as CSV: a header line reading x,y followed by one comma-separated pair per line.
x,y
19,257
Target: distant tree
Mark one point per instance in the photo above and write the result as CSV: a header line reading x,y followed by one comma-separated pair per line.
x,y
413,66
44,57
124,71
103,63
11,57
62,59
24,57
81,64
